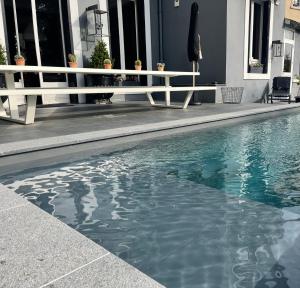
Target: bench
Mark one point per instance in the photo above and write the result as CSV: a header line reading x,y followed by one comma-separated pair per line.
x,y
32,93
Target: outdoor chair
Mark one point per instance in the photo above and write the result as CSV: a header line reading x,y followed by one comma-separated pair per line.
x,y
280,90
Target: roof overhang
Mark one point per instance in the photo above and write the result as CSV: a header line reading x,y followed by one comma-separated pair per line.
x,y
288,23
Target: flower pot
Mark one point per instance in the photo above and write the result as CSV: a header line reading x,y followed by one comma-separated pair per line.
x,y
73,64
138,67
160,68
256,69
20,61
107,66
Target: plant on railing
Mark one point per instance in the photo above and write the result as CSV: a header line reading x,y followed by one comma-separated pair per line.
x,y
161,66
257,64
100,53
2,55
72,60
297,79
19,59
107,64
138,64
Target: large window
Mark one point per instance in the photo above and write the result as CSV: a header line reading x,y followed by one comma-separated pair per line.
x,y
35,29
258,38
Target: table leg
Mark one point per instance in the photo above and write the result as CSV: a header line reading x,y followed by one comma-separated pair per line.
x,y
167,93
2,110
150,98
13,107
187,99
30,109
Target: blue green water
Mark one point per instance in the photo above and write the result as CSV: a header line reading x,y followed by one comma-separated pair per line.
x,y
214,208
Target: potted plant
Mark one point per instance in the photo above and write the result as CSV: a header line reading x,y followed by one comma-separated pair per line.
x,y
98,56
2,55
2,62
256,67
19,59
161,66
100,53
72,60
107,64
138,64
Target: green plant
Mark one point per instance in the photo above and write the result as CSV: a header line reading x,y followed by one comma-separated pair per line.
x,y
138,63
257,64
72,58
100,53
2,55
297,77
107,61
18,57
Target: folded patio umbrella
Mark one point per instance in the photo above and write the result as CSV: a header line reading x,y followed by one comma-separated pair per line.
x,y
194,45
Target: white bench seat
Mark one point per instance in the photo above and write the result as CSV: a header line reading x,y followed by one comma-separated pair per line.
x,y
94,90
11,91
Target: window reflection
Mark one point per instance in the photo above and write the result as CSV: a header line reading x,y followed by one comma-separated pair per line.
x,y
50,37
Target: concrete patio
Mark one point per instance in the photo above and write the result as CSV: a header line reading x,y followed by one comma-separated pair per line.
x,y
58,127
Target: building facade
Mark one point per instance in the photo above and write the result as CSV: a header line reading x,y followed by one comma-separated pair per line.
x,y
237,39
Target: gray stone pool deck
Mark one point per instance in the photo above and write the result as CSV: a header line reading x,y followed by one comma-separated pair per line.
x,y
59,127
37,250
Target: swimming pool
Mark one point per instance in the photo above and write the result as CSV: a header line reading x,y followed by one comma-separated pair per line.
x,y
215,208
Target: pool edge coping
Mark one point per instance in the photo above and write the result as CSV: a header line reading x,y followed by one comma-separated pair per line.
x,y
20,147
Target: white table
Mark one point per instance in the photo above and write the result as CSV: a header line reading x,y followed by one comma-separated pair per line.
x,y
32,93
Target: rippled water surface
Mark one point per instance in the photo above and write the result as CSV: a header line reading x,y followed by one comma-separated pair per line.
x,y
215,208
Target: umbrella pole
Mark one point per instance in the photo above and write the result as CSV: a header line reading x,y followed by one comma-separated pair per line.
x,y
194,77
195,102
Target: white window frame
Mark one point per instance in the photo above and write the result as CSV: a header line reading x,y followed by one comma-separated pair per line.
x,y
260,28
248,22
295,4
291,42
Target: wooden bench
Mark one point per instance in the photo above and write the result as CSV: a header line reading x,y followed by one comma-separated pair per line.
x,y
32,93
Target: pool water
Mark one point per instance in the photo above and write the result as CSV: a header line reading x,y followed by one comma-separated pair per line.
x,y
214,208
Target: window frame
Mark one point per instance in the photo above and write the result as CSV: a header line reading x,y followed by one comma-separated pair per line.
x,y
290,42
247,41
295,5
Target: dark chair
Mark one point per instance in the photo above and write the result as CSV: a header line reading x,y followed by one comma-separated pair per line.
x,y
281,89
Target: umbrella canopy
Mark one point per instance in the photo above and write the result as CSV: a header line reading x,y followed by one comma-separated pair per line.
x,y
194,45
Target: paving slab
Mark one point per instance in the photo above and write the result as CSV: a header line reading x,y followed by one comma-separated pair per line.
x,y
9,200
108,272
36,248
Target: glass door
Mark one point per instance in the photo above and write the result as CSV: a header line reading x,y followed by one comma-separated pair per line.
x,y
35,29
127,29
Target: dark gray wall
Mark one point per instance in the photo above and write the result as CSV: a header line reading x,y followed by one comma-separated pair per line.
x,y
235,49
212,28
